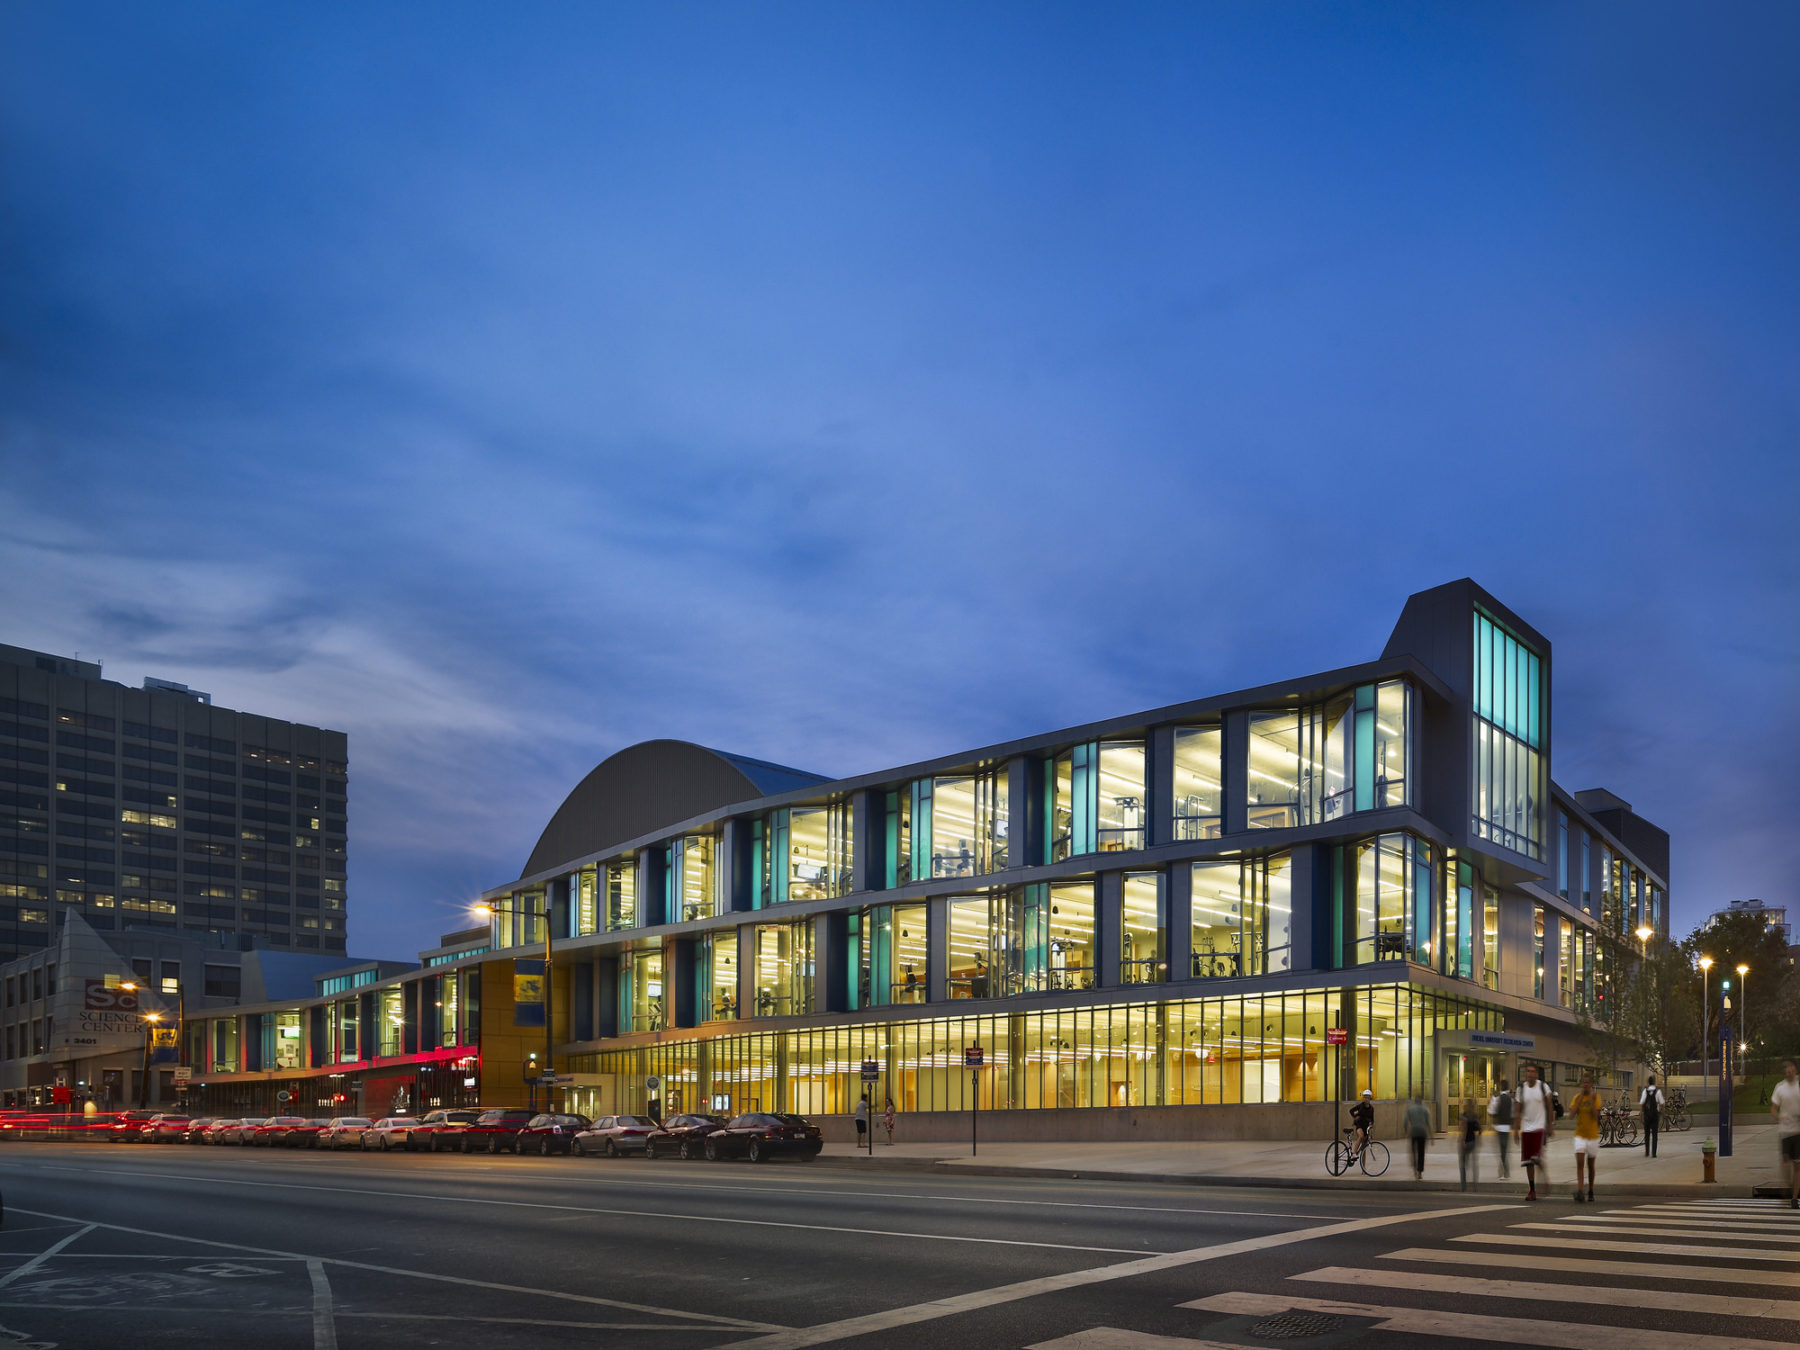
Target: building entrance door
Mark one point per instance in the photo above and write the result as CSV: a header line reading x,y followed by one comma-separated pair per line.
x,y
1467,1076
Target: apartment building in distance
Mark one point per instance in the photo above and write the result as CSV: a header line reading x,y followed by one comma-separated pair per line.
x,y
151,810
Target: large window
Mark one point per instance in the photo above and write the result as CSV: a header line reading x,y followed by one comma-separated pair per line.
x,y
621,894
519,918
287,1050
584,899
392,1017
1565,962
1388,917
1143,929
1509,722
803,853
1241,917
1490,937
900,835
1199,779
1097,801
1461,920
784,969
716,980
691,883
641,1006
1071,936
960,825
891,955
1562,854
1538,952
971,938
1587,874
1308,765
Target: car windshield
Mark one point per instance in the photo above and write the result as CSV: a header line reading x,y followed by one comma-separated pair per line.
x,y
636,1120
351,1120
399,1120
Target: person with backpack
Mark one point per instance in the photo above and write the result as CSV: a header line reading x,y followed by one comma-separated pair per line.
x,y
1468,1147
1650,1102
1500,1116
1537,1125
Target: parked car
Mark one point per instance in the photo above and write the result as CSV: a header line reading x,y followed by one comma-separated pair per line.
x,y
216,1132
343,1132
681,1137
196,1130
760,1136
305,1134
128,1127
167,1128
550,1133
390,1132
612,1136
495,1131
272,1131
241,1133
434,1124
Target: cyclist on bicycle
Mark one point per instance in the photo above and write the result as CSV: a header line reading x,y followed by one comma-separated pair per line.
x,y
1362,1117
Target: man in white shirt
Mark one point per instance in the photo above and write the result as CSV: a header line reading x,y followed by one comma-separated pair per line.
x,y
1537,1123
1784,1105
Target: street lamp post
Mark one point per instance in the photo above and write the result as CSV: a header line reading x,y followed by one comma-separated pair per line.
x,y
180,1030
549,982
1706,964
1744,1014
150,1021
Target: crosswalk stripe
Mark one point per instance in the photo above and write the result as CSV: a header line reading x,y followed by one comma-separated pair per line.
x,y
1116,1338
1646,1270
1589,1244
1669,1300
1484,1327
1733,1216
1573,1233
1699,1225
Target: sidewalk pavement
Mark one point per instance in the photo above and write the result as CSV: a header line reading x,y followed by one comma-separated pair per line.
x,y
1676,1170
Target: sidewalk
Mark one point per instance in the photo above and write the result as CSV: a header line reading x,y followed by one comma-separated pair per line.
x,y
1676,1170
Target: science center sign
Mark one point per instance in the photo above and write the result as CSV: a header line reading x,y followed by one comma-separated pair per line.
x,y
106,1014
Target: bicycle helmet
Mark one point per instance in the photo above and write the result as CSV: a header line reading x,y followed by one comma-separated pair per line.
x,y
1367,1092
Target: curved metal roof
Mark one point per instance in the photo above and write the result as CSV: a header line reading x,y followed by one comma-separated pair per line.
x,y
647,786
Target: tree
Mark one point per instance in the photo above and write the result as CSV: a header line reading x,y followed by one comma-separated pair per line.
x,y
1767,1020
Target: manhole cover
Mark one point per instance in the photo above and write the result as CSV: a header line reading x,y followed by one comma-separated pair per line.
x,y
1294,1326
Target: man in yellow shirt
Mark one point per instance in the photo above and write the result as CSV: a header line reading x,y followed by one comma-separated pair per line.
x,y
1586,1107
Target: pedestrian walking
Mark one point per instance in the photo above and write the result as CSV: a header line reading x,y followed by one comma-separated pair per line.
x,y
1537,1125
1784,1105
1586,1107
1650,1102
887,1119
1418,1130
1500,1116
862,1120
1468,1147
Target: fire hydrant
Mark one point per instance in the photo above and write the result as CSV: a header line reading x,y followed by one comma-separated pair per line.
x,y
1709,1151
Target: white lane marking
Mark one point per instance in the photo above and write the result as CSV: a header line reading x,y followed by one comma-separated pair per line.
x,y
1589,1244
1647,1270
1737,1218
1116,1338
1598,1296
48,1252
1483,1327
812,1191
1577,1234
1609,1223
736,1323
324,1328
660,1214
957,1304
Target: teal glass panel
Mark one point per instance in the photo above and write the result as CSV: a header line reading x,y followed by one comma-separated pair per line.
x,y
1465,921
1422,925
892,852
1035,949
1365,747
881,956
1085,784
703,981
778,860
853,960
921,828
759,865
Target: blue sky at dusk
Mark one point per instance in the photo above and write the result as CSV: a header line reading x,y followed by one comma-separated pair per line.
x,y
845,385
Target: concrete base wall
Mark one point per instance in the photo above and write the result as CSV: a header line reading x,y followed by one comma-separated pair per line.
x,y
1098,1124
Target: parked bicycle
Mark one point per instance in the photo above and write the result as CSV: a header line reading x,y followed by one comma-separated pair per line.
x,y
1676,1115
1342,1155
1618,1127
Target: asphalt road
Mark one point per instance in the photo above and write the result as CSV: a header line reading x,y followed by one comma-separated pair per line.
x,y
183,1247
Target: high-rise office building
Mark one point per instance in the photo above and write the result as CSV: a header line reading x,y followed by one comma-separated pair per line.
x,y
152,809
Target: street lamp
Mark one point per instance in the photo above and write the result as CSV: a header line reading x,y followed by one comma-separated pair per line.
x,y
180,1022
1706,964
1744,1012
490,909
150,1021
1644,933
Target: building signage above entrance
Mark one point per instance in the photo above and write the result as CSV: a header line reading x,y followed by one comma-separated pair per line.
x,y
1499,1040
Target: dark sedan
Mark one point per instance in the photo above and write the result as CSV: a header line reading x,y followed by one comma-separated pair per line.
x,y
549,1133
437,1130
761,1136
612,1136
682,1137
495,1131
273,1130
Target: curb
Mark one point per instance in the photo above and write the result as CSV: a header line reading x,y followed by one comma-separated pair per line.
x,y
1513,1190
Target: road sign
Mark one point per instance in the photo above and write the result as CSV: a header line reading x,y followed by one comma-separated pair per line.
x,y
1337,1035
284,1096
555,1079
653,1082
871,1071
972,1057
184,1074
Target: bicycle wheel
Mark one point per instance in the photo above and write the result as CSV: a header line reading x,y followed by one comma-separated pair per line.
x,y
1628,1133
1679,1119
1337,1157
1374,1159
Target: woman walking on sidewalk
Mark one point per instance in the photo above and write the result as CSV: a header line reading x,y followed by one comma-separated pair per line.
x,y
1418,1129
1500,1115
887,1120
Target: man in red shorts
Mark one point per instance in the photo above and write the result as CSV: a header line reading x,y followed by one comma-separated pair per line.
x,y
1537,1124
